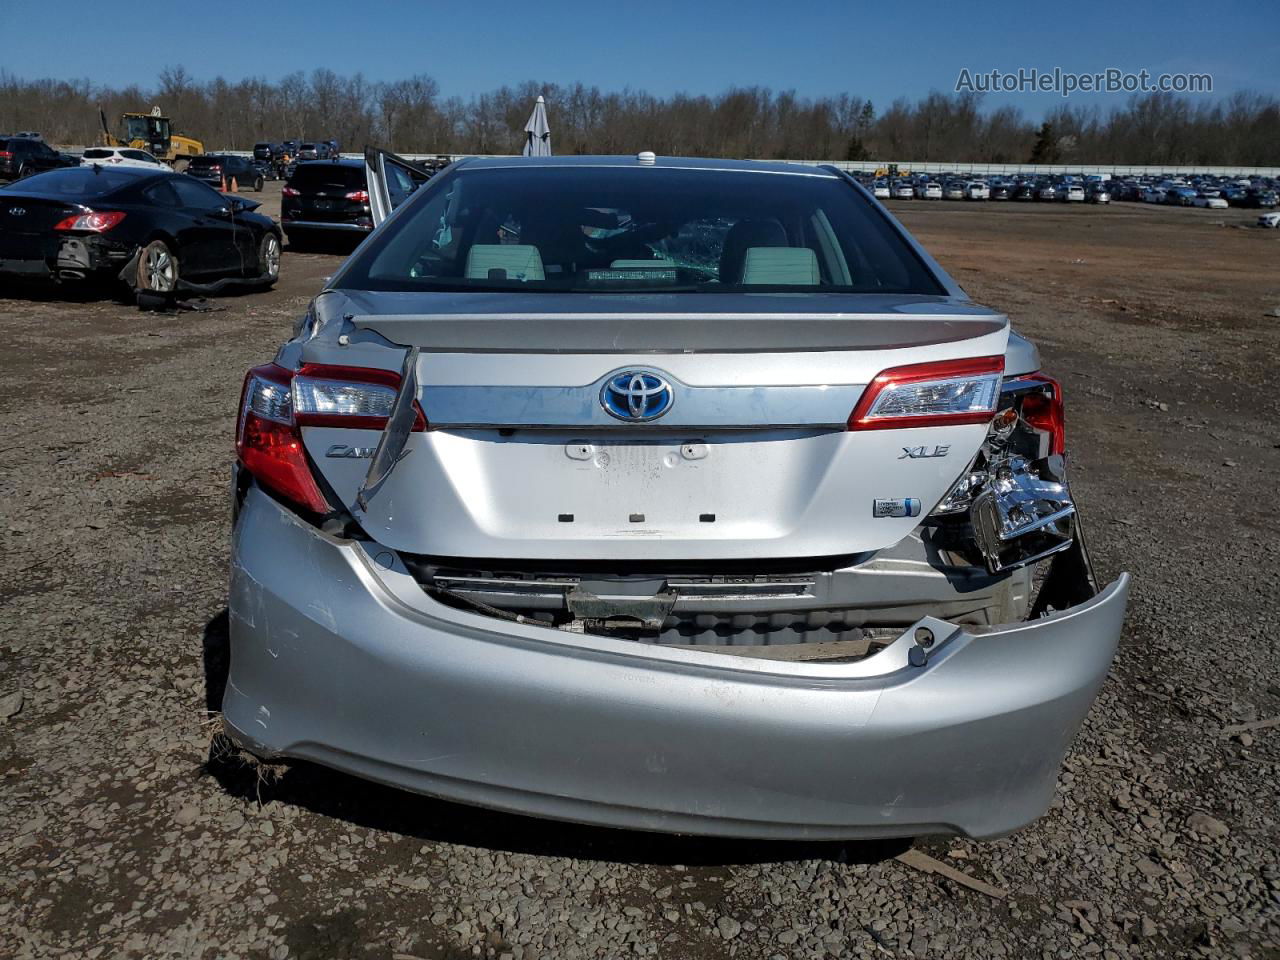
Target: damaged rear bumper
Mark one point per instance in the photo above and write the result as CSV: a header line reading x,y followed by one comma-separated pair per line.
x,y
339,657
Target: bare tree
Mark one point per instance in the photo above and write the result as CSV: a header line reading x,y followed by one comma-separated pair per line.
x,y
409,116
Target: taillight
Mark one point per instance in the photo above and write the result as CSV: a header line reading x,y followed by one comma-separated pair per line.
x,y
91,220
1039,403
930,394
337,396
5,155
359,196
290,192
268,443
276,404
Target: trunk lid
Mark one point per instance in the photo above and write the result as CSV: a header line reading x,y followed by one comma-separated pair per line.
x,y
752,458
26,226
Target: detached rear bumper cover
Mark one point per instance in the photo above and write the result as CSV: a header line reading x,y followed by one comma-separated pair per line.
x,y
337,656
129,275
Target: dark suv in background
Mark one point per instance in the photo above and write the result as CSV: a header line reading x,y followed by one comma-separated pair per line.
x,y
270,152
217,169
325,198
314,150
22,156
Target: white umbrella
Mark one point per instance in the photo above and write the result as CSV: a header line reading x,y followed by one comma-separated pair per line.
x,y
537,132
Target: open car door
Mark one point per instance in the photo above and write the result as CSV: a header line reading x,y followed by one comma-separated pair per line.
x,y
391,180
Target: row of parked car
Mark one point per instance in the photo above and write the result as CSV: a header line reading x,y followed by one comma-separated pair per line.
x,y
925,187
1205,191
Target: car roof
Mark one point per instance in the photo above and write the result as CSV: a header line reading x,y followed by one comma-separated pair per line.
x,y
127,171
340,162
630,160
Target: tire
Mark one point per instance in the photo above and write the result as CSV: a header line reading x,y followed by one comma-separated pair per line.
x,y
158,269
257,185
269,256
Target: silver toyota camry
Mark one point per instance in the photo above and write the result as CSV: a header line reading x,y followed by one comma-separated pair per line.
x,y
680,495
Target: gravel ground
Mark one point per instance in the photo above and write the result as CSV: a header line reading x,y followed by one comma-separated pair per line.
x,y
120,839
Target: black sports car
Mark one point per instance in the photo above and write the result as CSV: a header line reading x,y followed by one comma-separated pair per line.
x,y
158,232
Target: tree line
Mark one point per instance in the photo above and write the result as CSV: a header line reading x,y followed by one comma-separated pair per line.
x,y
411,116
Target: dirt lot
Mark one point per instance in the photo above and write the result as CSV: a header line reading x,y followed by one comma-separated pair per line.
x,y
119,841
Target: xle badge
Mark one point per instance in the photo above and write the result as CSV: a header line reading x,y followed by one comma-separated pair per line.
x,y
917,453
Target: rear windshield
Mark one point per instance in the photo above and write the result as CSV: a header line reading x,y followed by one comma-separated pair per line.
x,y
610,229
205,162
327,175
94,153
74,182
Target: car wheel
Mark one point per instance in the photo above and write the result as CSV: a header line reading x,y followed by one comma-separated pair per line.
x,y
269,256
257,185
157,268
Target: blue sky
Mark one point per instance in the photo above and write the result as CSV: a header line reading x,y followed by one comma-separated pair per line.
x,y
815,47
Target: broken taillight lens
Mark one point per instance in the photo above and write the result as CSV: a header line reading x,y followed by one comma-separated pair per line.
x,y
1038,401
277,403
930,394
269,443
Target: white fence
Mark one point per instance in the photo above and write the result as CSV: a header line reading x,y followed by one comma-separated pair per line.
x,y
975,169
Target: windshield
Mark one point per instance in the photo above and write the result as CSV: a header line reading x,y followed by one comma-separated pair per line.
x,y
74,182
609,229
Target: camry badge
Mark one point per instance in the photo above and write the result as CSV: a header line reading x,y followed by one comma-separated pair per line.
x,y
342,452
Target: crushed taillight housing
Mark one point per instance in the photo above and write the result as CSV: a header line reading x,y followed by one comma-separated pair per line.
x,y
276,404
92,221
1039,404
359,196
939,393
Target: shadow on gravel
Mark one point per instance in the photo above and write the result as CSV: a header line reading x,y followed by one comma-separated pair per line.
x,y
337,242
47,291
377,807
216,648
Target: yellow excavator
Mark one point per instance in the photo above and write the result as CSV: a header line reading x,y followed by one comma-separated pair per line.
x,y
151,132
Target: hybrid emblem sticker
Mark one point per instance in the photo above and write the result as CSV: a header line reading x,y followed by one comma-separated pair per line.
x,y
897,507
917,453
636,396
